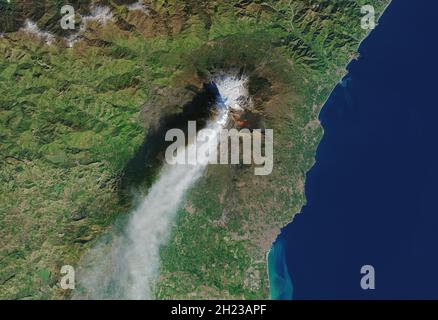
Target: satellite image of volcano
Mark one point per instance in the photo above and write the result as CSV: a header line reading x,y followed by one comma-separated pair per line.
x,y
115,181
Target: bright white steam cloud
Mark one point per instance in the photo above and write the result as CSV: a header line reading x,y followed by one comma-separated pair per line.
x,y
126,266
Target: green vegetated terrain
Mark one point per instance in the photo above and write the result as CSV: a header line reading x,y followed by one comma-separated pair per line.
x,y
73,120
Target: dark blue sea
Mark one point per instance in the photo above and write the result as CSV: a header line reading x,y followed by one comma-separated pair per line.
x,y
373,194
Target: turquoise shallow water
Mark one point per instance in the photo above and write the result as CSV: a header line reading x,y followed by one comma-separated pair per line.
x,y
281,287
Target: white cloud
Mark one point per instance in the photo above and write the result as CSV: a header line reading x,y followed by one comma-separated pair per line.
x,y
32,28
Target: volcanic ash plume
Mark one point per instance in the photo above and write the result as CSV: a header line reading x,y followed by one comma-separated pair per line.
x,y
126,266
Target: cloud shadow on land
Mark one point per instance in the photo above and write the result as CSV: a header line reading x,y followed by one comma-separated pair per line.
x,y
141,170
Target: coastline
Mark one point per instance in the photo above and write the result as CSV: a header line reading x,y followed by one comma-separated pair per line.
x,y
345,69
283,290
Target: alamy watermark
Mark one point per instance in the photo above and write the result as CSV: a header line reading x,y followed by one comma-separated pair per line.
x,y
68,17
368,21
224,146
368,281
68,281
